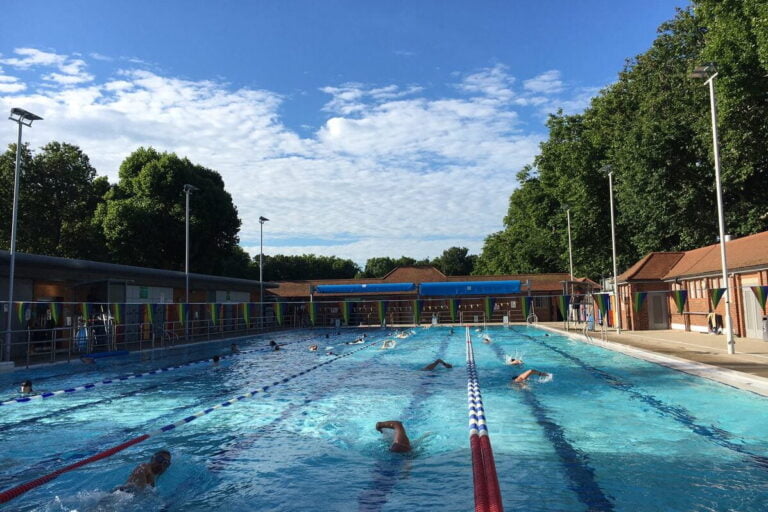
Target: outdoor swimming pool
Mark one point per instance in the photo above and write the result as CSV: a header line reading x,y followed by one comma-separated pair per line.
x,y
609,432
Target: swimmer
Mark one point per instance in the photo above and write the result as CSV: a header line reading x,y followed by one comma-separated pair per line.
x,y
215,360
313,348
513,361
451,331
388,344
327,336
146,474
401,442
330,353
26,387
234,348
526,374
276,347
272,343
433,365
87,360
487,339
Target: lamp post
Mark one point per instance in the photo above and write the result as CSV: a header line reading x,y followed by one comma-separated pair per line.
x,y
188,189
570,260
709,72
22,118
609,171
262,220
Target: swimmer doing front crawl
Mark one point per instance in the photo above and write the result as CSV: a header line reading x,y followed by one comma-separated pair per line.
x,y
401,442
146,474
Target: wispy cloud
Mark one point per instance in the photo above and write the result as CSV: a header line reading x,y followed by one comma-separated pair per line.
x,y
546,83
397,170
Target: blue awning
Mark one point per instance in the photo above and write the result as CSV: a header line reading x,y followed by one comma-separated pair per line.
x,y
470,288
365,288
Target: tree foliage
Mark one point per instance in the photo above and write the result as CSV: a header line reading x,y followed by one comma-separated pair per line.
x,y
653,128
307,266
58,194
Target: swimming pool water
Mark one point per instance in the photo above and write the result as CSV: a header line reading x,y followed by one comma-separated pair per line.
x,y
608,432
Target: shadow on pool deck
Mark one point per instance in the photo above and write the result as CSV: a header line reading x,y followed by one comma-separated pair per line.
x,y
750,359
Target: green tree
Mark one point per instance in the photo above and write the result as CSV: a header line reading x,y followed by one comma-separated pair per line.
x,y
306,266
455,261
143,216
59,192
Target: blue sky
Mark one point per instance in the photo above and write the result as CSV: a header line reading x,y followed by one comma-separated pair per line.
x,y
360,128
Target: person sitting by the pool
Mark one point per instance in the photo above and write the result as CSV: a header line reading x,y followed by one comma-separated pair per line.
x,y
87,360
216,360
234,348
313,348
433,365
513,361
146,474
401,442
527,373
26,387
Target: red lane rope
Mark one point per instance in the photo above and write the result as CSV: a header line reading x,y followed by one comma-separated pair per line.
x,y
10,494
494,492
479,477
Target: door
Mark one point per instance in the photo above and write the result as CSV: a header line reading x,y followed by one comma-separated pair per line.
x,y
657,311
753,318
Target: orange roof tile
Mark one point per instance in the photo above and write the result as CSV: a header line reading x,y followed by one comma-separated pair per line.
x,y
742,253
654,265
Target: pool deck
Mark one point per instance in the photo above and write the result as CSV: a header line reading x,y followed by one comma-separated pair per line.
x,y
705,355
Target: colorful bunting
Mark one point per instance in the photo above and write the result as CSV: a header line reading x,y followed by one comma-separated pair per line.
x,y
527,307
489,303
453,306
85,310
117,312
279,313
603,301
312,312
181,310
760,292
562,304
417,304
715,294
213,313
680,296
56,312
345,311
21,309
638,299
245,307
382,308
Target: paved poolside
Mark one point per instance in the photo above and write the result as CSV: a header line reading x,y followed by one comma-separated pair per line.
x,y
750,359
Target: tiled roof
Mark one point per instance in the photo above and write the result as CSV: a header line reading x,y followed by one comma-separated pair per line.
x,y
654,265
423,274
742,253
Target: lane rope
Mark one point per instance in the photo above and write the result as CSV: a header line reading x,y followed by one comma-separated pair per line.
x,y
17,491
131,376
486,481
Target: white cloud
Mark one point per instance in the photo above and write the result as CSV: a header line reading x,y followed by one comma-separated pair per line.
x,y
546,83
72,71
397,172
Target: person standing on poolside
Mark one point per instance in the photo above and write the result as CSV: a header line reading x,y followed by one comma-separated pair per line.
x,y
146,474
401,443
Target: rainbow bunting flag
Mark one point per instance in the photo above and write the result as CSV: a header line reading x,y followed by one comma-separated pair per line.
x,y
715,294
527,303
148,314
382,308
21,309
638,299
85,310
760,292
312,312
603,301
213,313
417,304
279,313
245,308
344,305
680,296
489,302
182,312
117,312
562,304
56,312
453,308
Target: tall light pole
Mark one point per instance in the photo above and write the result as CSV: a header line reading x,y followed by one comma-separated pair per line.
x,y
23,118
262,220
188,189
709,72
609,171
570,259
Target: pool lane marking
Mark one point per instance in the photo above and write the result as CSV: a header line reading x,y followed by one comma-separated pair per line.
x,y
680,414
486,481
17,491
386,473
130,376
574,461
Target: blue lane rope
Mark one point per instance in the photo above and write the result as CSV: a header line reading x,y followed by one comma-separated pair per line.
x,y
129,376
